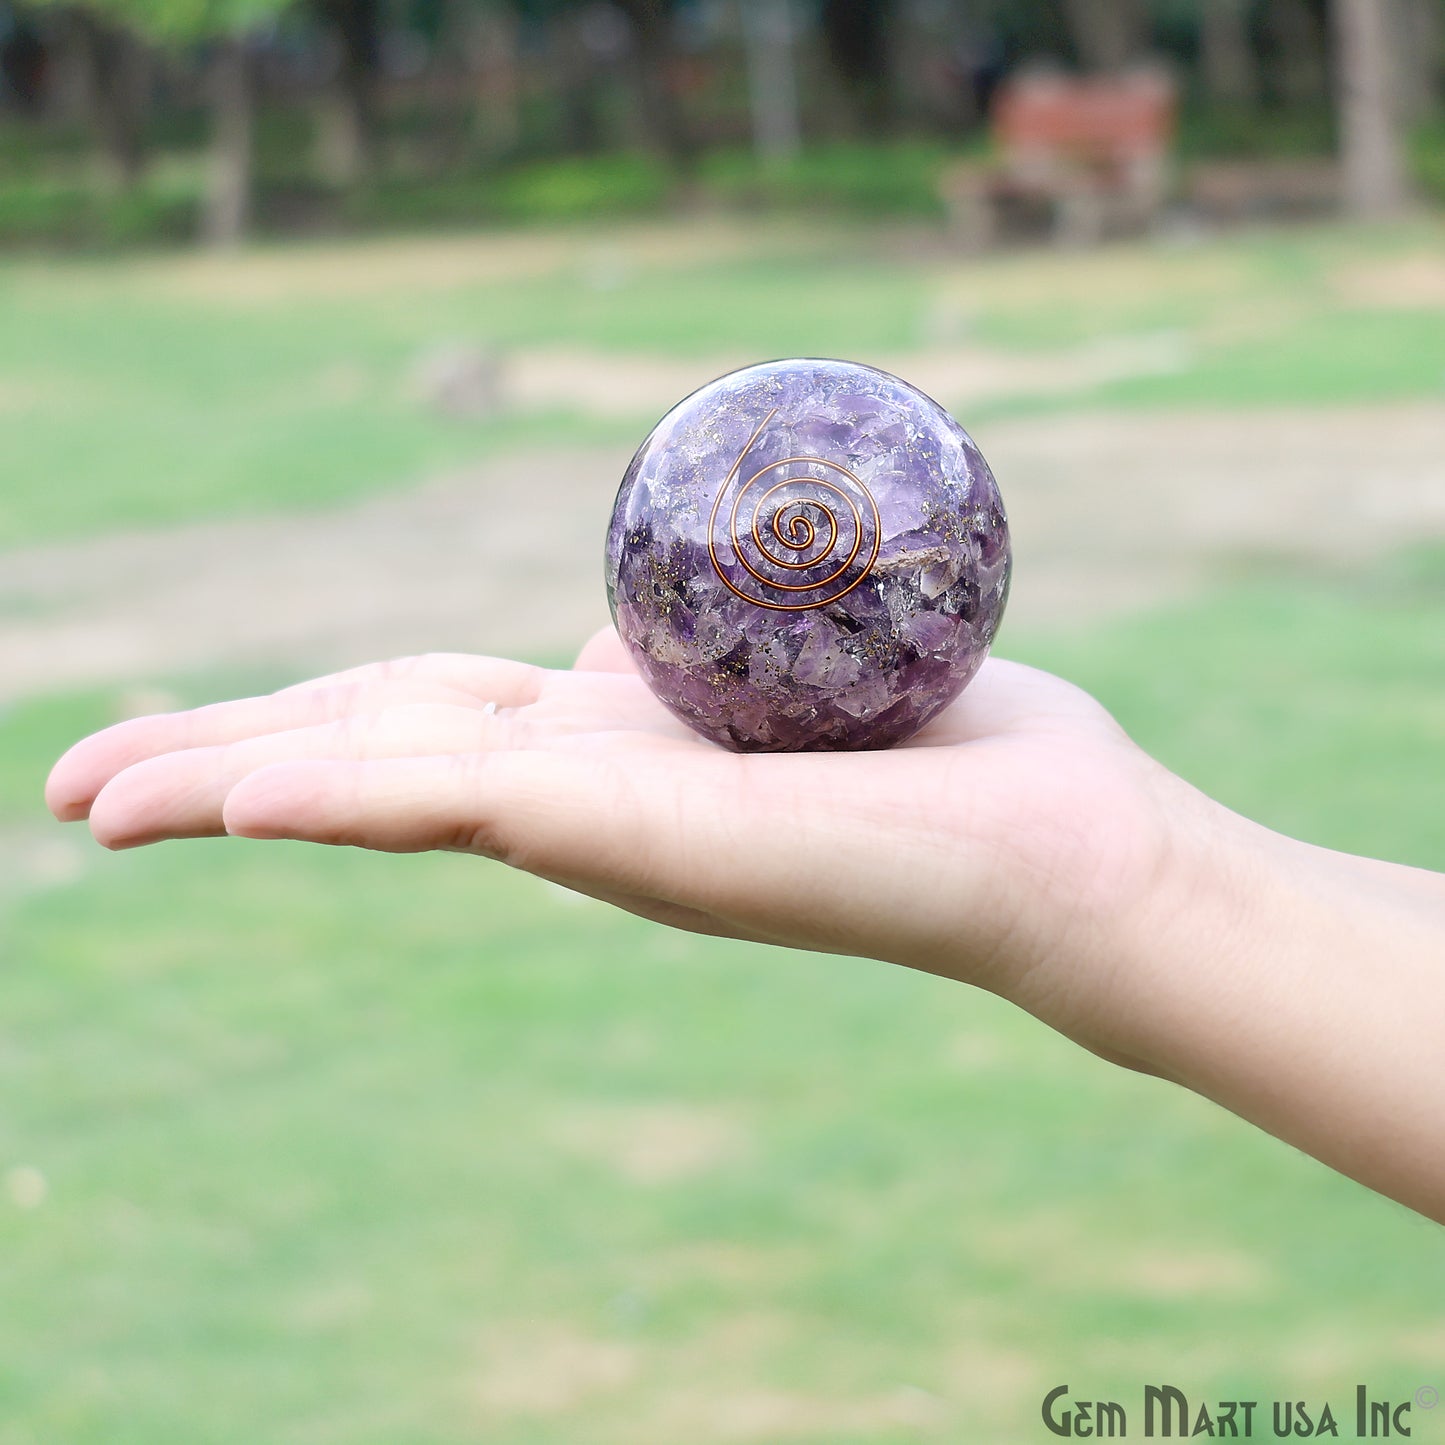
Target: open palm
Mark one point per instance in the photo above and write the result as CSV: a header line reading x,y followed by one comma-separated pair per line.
x,y
1020,842
991,847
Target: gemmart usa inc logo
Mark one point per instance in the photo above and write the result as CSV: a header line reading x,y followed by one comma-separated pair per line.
x,y
1165,1412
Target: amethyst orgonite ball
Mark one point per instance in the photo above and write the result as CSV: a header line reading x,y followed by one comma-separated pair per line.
x,y
807,554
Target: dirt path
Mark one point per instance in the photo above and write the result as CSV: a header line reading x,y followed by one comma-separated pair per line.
x,y
597,383
1111,512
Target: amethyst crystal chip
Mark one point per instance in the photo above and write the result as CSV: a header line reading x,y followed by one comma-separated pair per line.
x,y
807,554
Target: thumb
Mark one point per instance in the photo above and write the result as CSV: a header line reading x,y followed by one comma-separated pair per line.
x,y
604,651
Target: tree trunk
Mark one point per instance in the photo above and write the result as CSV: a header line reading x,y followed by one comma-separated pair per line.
x,y
652,63
1417,49
772,79
831,113
227,214
858,35
1371,153
70,75
921,75
22,67
497,121
1226,56
341,153
579,84
1108,34
346,136
111,86
1300,73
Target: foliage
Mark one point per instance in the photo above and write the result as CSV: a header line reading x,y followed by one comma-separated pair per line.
x,y
1427,155
181,22
58,204
45,211
1255,134
898,179
569,190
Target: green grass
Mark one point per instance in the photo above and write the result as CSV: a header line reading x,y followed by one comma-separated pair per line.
x,y
47,210
1350,355
559,192
1427,157
126,400
340,1148
355,1149
898,179
1314,707
52,196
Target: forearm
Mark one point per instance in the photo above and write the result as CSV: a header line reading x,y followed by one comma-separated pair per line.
x,y
1305,991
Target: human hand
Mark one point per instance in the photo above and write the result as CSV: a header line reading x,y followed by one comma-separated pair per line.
x,y
1020,842
1002,845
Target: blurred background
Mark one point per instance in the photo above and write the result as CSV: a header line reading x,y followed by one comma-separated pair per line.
x,y
326,331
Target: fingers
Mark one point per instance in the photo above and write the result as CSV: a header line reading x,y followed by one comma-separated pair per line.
x,y
604,651
496,679
91,763
521,807
632,823
180,794
677,833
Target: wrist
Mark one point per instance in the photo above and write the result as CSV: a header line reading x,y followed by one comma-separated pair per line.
x,y
1299,988
1151,969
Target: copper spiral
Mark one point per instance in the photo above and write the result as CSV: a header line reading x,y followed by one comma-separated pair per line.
x,y
789,513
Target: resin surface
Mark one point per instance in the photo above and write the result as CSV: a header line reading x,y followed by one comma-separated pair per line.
x,y
808,554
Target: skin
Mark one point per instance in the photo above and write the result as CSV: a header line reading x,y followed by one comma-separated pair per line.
x,y
1021,843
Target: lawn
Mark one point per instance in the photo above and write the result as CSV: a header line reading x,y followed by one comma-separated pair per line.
x,y
306,1147
153,390
352,1148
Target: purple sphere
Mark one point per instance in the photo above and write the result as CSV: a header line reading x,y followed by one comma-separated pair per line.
x,y
807,555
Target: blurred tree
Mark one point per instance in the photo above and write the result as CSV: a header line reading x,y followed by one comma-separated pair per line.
x,y
471,81
95,67
1226,55
22,64
1371,150
653,64
226,216
1298,70
347,106
572,43
1420,35
857,35
1019,31
493,45
768,33
1108,34
221,27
